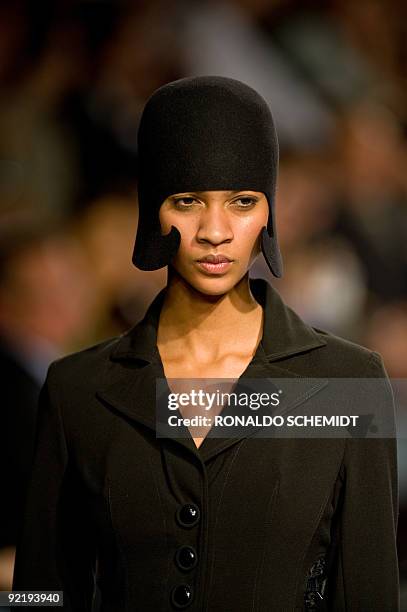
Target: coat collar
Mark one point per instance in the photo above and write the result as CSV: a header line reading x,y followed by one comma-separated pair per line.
x,y
130,389
285,333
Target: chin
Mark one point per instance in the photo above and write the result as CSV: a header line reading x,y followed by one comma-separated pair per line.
x,y
214,288
212,285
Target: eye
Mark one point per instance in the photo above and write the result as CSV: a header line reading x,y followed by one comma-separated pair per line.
x,y
184,203
245,201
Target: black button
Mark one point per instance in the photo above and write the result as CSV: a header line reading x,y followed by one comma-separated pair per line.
x,y
188,515
186,557
181,595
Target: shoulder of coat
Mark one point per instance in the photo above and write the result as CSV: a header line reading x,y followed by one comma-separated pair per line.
x,y
346,356
82,365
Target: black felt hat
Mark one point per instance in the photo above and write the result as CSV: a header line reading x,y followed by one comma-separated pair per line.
x,y
199,134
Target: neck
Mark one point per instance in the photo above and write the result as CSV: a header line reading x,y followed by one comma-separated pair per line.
x,y
205,325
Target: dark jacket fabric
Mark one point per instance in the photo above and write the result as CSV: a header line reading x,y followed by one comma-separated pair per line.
x,y
18,418
270,524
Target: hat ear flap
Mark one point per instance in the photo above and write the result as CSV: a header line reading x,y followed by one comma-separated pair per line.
x,y
153,250
271,252
269,242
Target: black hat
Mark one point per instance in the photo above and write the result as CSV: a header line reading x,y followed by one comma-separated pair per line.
x,y
198,134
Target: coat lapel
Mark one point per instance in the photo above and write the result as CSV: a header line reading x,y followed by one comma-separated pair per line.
x,y
130,385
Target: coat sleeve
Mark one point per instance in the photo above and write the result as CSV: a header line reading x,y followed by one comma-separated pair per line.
x,y
367,577
55,550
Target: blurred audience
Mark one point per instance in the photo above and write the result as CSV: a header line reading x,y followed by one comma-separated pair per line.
x,y
106,231
46,301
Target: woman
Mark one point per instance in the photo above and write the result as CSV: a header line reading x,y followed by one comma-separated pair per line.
x,y
233,523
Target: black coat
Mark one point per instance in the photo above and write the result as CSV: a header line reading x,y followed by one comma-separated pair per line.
x,y
265,521
17,431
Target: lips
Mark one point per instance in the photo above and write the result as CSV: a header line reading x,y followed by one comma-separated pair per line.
x,y
215,259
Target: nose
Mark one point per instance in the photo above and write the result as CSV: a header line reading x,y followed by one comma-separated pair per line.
x,y
214,226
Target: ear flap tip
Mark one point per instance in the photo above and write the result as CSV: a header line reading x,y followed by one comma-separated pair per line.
x,y
158,251
271,252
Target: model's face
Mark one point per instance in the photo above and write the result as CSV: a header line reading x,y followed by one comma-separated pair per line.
x,y
226,223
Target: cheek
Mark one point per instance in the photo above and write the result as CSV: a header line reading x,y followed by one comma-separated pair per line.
x,y
165,222
248,232
186,225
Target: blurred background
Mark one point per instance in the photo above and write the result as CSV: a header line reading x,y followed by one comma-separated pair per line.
x,y
74,76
